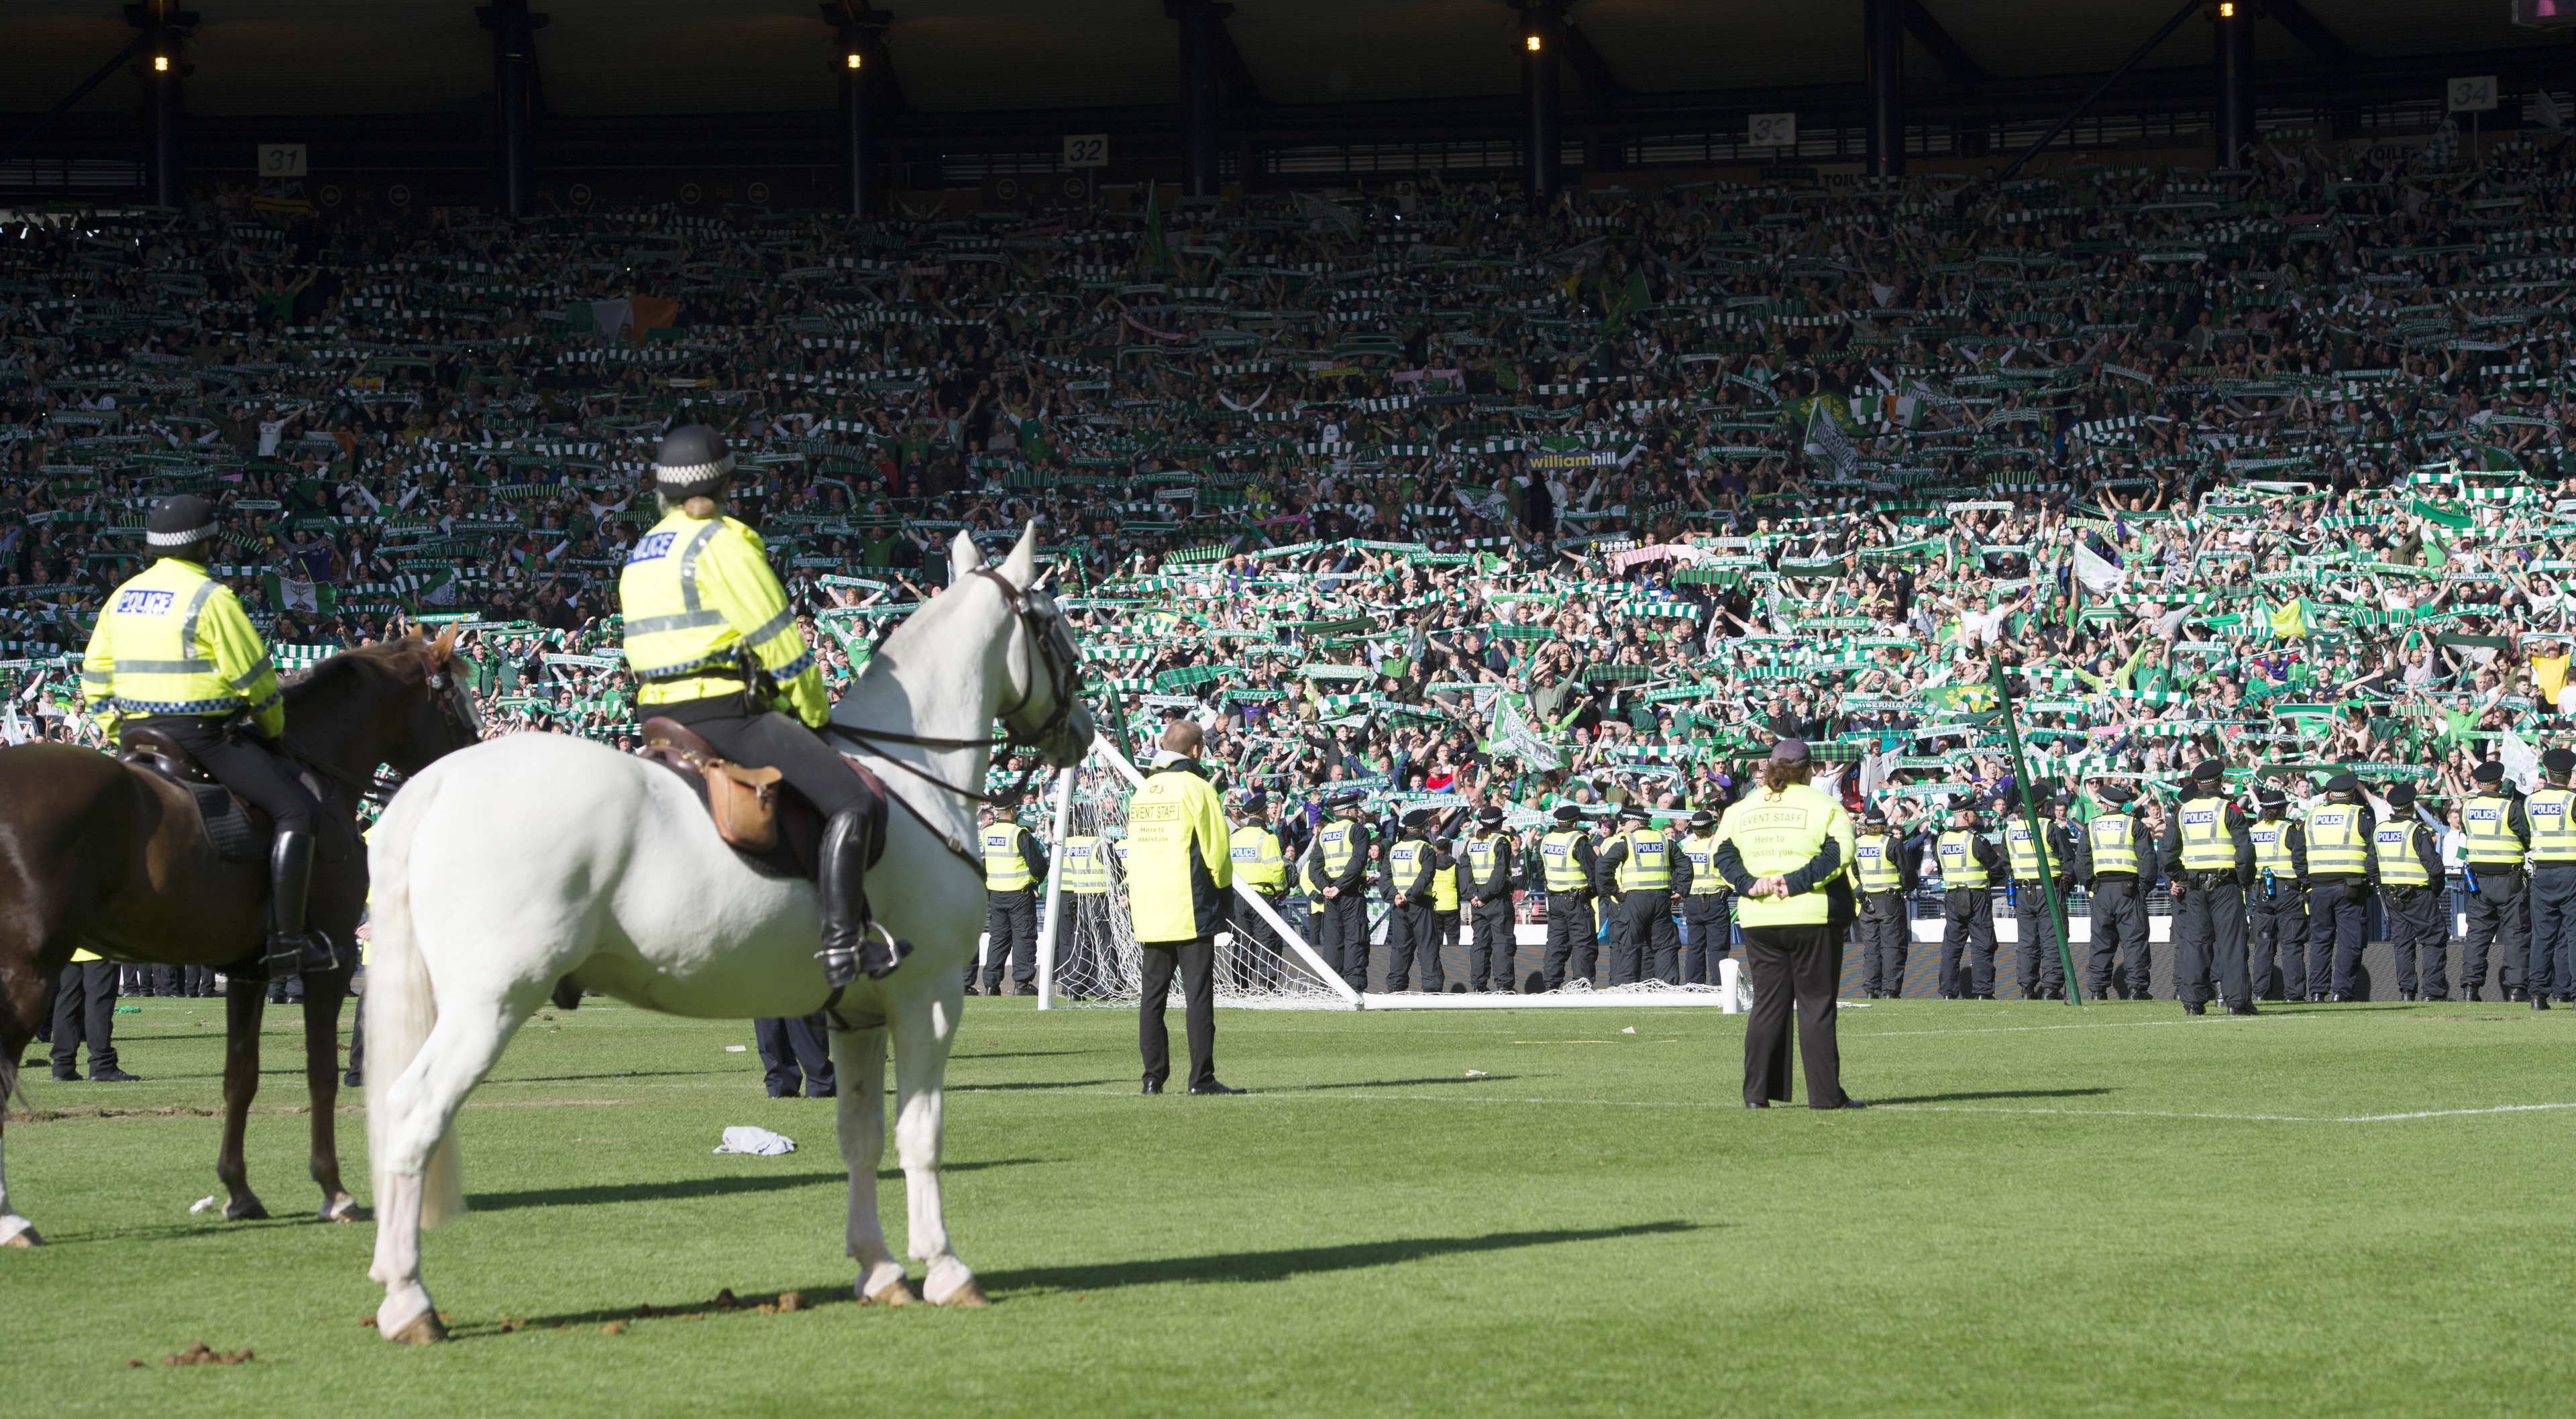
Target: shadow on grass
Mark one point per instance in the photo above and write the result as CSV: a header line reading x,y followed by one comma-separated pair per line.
x,y
1398,1083
1038,1084
1023,1054
678,1189
1966,1096
1299,1261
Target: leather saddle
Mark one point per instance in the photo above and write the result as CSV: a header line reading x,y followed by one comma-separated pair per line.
x,y
236,831
769,826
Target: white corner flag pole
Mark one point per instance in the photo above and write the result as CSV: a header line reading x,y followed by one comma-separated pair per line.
x,y
1054,912
1296,941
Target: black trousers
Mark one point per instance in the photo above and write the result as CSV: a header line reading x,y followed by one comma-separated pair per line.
x,y
770,741
1493,953
264,781
1011,923
1256,943
85,1012
793,1046
2553,930
1885,933
1707,935
2498,917
1345,937
1651,947
1571,940
1081,944
2119,939
1967,924
2419,937
2042,969
1413,931
2277,939
1195,960
2209,928
1796,967
2338,918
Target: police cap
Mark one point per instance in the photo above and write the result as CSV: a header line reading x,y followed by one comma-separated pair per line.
x,y
692,461
2344,783
1491,817
2269,797
2559,761
2401,796
1567,812
178,525
2208,771
1873,814
1417,817
2489,772
1632,813
2117,792
1347,798
1703,819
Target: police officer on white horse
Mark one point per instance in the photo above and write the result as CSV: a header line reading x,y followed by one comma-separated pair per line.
x,y
714,646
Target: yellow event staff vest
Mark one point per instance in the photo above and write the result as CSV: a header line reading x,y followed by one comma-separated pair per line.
x,y
1957,853
1408,866
1649,865
1334,842
1777,833
2553,824
695,594
174,641
1556,853
2489,821
1004,869
2272,848
1875,855
1444,889
1487,860
2115,844
2398,864
1084,871
1175,829
2335,845
2025,856
2206,845
1702,852
1256,858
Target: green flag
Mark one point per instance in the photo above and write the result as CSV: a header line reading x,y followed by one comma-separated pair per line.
x,y
1621,305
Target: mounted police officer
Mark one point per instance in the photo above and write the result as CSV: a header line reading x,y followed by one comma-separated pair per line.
x,y
1566,865
713,645
2411,891
174,653
2210,859
2279,910
2123,868
1704,896
1487,856
1636,872
2499,833
2339,873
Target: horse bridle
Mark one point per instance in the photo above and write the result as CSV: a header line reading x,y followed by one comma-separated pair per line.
x,y
444,690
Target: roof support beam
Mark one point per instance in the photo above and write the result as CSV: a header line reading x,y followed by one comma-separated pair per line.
x,y
1576,50
1955,61
2307,29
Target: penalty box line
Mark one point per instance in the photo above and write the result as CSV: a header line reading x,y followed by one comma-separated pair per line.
x,y
1333,1098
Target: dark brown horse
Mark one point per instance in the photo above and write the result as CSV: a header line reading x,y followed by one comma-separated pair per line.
x,y
99,853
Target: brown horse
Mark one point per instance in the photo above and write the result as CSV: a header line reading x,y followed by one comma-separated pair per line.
x,y
100,853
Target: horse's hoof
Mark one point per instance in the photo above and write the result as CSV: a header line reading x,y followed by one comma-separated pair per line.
x,y
23,1237
247,1210
967,1296
423,1330
893,1293
343,1209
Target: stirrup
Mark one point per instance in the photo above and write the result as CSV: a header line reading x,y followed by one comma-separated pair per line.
x,y
305,953
842,966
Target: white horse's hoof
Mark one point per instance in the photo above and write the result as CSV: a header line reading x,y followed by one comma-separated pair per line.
x,y
19,1232
967,1296
423,1330
408,1317
343,1209
893,1293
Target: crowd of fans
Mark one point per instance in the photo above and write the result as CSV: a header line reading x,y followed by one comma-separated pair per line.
x,y
1415,489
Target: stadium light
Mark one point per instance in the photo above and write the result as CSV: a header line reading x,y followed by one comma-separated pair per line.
x,y
1532,42
854,61
2227,9
161,63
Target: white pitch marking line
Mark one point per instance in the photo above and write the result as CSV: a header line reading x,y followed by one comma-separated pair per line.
x,y
2093,1025
1300,1096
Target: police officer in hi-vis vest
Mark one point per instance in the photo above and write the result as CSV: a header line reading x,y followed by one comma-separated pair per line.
x,y
1413,929
2551,812
2499,832
174,652
2059,854
2338,832
1487,859
1260,863
1082,868
1967,862
2123,869
2411,894
2210,860
1885,867
1015,867
1705,899
1635,871
1340,854
2278,905
1783,849
1566,870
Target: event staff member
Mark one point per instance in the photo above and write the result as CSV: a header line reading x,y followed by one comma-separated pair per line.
x,y
2279,905
174,652
1413,926
2499,833
1884,868
2551,811
1967,862
2338,833
1082,873
1566,870
2123,866
2058,854
85,1013
1179,873
1340,853
1260,863
1635,872
1782,847
1705,899
2411,894
713,645
2210,860
1015,866
1486,860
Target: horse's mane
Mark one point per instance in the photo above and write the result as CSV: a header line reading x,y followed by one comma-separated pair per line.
x,y
313,681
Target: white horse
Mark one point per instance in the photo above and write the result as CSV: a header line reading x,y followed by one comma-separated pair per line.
x,y
508,867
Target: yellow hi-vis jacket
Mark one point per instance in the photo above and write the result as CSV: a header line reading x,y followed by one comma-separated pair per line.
x,y
175,641
1256,856
697,592
1778,833
1086,868
1179,868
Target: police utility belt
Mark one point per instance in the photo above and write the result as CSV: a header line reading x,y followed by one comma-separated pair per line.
x,y
2212,878
2498,869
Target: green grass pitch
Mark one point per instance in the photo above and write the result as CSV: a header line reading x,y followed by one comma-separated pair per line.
x,y
2107,1211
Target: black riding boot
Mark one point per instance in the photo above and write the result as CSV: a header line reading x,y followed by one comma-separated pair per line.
x,y
292,950
851,943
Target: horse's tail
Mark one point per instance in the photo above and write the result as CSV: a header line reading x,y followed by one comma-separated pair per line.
x,y
402,1005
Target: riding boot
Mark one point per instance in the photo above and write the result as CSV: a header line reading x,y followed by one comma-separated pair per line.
x,y
292,950
851,946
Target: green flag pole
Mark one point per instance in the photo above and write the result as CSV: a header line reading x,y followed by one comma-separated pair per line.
x,y
2038,834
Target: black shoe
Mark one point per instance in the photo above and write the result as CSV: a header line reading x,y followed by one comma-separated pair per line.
x,y
782,1093
354,1081
66,1076
2514,996
2245,1009
2194,1007
1848,1103
1152,1086
833,1092
1214,1087
2406,995
111,1075
2540,1002
1757,1103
